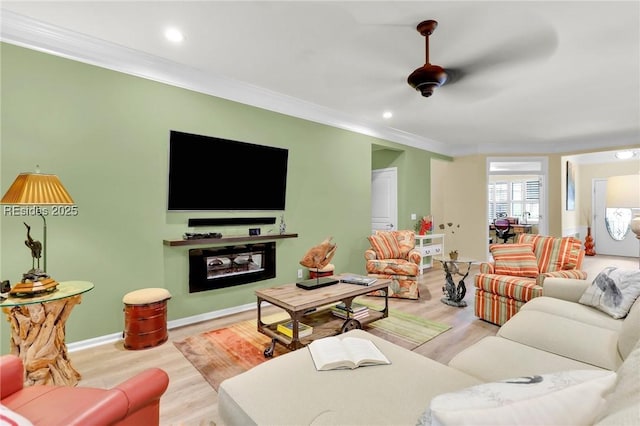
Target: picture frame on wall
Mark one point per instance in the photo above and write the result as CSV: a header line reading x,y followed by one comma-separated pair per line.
x,y
571,187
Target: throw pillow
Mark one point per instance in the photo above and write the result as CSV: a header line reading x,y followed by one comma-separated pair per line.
x,y
385,245
406,242
516,260
554,253
562,398
613,291
621,407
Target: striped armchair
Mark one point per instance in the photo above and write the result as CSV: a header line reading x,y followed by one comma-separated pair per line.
x,y
393,255
518,270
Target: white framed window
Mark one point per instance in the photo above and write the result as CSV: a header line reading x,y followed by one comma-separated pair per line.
x,y
531,199
515,198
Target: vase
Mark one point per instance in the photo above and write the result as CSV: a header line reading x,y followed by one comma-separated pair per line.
x,y
588,244
453,255
283,226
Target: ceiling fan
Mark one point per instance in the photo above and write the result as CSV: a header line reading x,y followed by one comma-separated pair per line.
x,y
515,49
428,77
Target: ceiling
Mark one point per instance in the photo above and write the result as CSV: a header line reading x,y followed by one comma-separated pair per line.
x,y
550,77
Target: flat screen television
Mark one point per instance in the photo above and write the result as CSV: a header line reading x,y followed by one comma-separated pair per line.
x,y
209,173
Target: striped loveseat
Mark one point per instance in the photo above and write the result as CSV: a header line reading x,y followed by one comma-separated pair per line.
x,y
518,270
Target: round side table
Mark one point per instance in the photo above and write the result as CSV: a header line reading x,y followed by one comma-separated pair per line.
x,y
38,332
454,294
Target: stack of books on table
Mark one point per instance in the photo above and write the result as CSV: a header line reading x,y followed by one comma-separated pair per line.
x,y
357,311
286,328
357,279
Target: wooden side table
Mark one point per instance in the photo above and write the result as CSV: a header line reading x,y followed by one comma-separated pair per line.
x,y
38,333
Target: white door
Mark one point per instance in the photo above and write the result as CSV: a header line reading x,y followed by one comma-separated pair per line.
x,y
384,199
604,243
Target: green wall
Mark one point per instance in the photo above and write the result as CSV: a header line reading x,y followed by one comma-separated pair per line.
x,y
412,169
105,134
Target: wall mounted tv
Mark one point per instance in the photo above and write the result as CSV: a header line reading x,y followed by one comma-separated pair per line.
x,y
209,173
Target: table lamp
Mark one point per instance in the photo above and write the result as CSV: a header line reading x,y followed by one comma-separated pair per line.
x,y
35,190
623,192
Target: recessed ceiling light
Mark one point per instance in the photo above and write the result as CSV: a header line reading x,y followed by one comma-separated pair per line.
x,y
174,35
387,115
624,155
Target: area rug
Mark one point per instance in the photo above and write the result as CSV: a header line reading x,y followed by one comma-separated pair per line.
x,y
225,352
406,330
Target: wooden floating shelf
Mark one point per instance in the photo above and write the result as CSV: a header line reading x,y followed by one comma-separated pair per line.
x,y
225,240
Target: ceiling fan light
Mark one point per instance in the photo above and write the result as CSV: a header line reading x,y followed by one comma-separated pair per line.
x,y
427,78
426,89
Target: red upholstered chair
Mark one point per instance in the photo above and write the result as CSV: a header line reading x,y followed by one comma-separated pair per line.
x,y
136,401
518,270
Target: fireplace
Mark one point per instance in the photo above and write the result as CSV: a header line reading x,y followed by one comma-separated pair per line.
x,y
220,267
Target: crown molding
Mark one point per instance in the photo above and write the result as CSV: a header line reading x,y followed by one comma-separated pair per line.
x,y
37,35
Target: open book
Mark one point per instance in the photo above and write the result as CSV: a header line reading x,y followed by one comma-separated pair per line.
x,y
332,353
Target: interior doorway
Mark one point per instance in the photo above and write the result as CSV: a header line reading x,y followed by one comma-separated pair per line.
x,y
384,199
517,188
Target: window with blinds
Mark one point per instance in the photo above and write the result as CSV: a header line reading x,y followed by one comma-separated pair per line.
x,y
518,198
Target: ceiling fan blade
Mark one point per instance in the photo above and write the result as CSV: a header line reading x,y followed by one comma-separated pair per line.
x,y
469,92
521,49
454,75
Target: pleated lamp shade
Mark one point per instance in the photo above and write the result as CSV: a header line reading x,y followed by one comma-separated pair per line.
x,y
36,188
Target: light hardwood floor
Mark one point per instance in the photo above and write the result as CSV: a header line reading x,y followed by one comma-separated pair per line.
x,y
190,400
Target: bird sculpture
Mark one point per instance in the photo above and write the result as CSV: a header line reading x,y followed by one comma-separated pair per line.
x,y
35,247
319,256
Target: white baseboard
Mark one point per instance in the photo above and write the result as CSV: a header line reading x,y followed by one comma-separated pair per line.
x,y
180,322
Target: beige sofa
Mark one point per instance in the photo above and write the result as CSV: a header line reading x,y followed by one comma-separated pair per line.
x,y
549,337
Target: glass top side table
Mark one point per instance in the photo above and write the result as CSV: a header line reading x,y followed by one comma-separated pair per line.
x,y
454,294
38,330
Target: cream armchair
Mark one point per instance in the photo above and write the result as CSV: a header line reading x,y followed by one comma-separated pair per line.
x,y
393,255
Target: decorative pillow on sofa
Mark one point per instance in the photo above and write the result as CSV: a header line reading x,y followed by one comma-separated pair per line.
x,y
622,402
613,291
385,245
517,260
562,398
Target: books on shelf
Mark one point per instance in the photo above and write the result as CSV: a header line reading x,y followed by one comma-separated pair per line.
x,y
286,328
357,279
332,353
357,311
344,315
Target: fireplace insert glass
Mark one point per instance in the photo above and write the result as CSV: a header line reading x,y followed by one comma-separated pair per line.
x,y
220,267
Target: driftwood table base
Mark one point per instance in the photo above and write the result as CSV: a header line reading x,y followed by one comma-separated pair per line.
x,y
38,338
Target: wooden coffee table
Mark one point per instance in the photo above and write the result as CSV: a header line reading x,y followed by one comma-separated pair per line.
x,y
313,307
